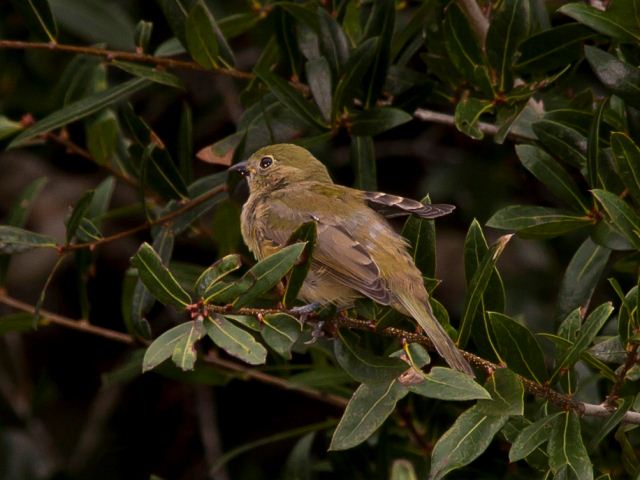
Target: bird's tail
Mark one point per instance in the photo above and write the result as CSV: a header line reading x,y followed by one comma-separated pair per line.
x,y
423,314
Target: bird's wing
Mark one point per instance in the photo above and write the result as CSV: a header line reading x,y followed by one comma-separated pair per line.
x,y
393,206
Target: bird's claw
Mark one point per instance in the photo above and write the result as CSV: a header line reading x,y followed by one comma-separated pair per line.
x,y
305,309
315,333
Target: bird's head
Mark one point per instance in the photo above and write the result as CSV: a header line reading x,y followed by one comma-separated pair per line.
x,y
276,166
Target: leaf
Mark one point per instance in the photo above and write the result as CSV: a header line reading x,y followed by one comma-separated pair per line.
x,y
364,161
235,25
622,216
562,141
102,137
620,78
421,234
592,325
162,347
553,48
612,421
377,120
201,36
546,169
354,71
566,449
447,384
18,240
381,23
39,18
532,436
366,411
333,41
627,158
235,341
266,273
304,233
184,353
581,277
467,116
78,214
280,331
510,24
80,109
402,469
185,143
9,127
600,21
176,15
537,222
16,322
518,347
319,79
594,146
466,440
216,272
158,279
150,73
507,392
362,365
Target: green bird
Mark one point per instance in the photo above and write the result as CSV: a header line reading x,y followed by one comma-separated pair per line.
x,y
357,252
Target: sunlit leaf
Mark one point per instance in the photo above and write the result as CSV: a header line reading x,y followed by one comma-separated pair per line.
x,y
235,341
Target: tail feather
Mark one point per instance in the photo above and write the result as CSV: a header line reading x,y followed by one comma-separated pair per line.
x,y
423,314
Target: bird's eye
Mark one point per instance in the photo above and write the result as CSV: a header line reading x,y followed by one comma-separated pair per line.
x,y
265,162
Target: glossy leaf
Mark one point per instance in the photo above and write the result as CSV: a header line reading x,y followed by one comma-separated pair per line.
x,y
162,347
518,347
546,169
468,113
537,222
581,277
216,272
377,120
532,437
39,18
507,394
201,36
466,440
562,141
280,331
158,279
184,353
304,233
366,411
354,71
566,448
622,216
421,234
627,158
363,159
600,21
18,240
447,384
619,77
235,341
80,109
158,76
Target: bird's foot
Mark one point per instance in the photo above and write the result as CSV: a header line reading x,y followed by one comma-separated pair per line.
x,y
316,333
305,310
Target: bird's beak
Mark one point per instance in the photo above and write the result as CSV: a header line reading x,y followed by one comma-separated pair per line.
x,y
242,168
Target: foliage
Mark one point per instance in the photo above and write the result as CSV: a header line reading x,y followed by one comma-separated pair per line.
x,y
558,87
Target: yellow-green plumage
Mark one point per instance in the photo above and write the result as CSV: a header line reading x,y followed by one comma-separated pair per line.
x,y
357,252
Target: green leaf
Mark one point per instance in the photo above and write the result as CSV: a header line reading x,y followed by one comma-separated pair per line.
x,y
176,15
150,73
612,421
304,233
402,469
532,436
622,216
353,74
469,436
594,146
381,23
234,25
581,277
319,79
78,213
510,24
9,127
235,341
566,448
216,272
102,137
292,99
80,109
562,141
537,222
202,42
361,364
518,347
333,41
143,35
467,116
546,169
280,331
507,392
553,48
620,78
184,352
627,158
447,384
602,22
421,234
16,322
39,18
364,161
265,274
158,279
366,411
18,240
162,347
377,120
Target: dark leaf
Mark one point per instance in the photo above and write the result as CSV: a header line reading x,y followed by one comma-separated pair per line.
x,y
162,347
9,127
304,233
319,78
620,78
562,141
532,437
507,394
381,23
102,137
201,36
468,113
594,146
537,222
627,158
377,120
333,41
17,240
184,352
622,216
39,18
364,161
158,76
602,21
421,234
566,448
354,70
78,213
216,272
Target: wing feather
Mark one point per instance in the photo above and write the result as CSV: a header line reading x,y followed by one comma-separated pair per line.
x,y
394,206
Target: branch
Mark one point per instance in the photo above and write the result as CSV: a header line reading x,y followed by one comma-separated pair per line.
x,y
447,119
478,21
164,62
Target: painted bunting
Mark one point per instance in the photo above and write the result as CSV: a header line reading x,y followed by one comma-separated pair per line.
x,y
357,252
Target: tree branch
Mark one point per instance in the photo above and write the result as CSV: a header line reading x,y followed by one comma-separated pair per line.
x,y
478,21
447,119
164,62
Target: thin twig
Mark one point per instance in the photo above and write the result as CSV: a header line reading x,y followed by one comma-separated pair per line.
x,y
164,62
630,361
447,119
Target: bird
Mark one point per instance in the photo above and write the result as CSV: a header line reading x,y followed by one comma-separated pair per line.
x,y
357,251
